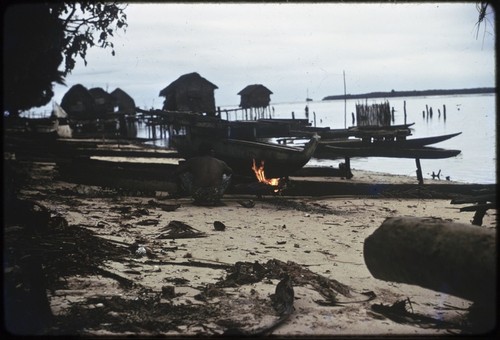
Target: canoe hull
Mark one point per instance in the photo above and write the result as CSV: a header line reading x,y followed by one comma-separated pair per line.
x,y
377,151
279,161
408,143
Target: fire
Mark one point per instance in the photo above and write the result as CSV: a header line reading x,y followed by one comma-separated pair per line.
x,y
261,177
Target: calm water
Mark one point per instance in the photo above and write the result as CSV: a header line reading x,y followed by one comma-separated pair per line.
x,y
473,115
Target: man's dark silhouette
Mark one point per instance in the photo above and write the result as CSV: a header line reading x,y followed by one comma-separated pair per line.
x,y
205,177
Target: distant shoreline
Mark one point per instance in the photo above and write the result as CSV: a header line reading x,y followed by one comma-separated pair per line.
x,y
414,93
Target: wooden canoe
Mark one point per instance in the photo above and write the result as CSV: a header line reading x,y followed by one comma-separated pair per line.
x,y
404,143
383,151
327,133
279,160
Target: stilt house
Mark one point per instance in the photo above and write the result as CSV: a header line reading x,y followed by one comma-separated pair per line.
x,y
123,102
104,102
79,103
255,96
190,92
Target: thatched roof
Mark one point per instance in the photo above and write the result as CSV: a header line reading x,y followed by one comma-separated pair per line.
x,y
99,94
255,95
186,79
125,103
78,101
255,89
190,92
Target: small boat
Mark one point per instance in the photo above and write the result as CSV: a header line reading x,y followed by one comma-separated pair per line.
x,y
376,127
401,143
278,160
425,152
326,133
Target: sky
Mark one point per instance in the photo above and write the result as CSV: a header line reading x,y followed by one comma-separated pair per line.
x,y
296,50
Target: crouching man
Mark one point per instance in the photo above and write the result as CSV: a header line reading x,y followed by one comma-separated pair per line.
x,y
205,177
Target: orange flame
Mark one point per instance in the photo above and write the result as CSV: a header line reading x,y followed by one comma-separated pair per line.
x,y
261,177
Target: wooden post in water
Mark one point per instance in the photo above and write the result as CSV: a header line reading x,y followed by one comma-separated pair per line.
x,y
444,112
348,173
419,172
404,109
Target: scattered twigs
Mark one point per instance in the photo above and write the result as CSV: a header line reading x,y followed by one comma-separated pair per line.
x,y
212,264
122,280
282,301
398,312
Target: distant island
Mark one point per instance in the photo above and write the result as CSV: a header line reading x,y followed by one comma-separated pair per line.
x,y
413,93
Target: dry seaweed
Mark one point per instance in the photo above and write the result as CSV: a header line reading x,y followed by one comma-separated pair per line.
x,y
179,229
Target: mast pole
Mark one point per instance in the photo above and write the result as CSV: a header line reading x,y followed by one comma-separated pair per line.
x,y
345,103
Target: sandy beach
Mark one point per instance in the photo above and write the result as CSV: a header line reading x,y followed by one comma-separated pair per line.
x,y
153,265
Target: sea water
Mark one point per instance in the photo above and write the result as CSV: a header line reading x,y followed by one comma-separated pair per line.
x,y
473,115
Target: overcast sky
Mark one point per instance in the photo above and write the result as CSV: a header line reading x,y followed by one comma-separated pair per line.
x,y
295,50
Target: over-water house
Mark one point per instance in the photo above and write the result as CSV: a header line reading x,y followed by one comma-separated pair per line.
x,y
123,102
190,92
79,103
255,96
104,102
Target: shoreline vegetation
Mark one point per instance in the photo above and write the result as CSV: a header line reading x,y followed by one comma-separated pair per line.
x,y
414,93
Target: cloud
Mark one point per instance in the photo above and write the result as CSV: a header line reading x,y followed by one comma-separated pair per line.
x,y
295,48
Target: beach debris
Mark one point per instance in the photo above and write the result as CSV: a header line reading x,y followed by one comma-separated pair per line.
x,y
244,273
219,226
209,291
438,175
282,302
122,209
247,203
178,229
139,249
163,206
140,212
402,312
148,221
168,292
252,272
283,296
481,202
308,208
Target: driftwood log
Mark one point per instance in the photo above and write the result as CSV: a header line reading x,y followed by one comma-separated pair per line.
x,y
452,258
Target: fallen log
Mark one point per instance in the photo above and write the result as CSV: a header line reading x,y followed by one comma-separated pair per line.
x,y
453,258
